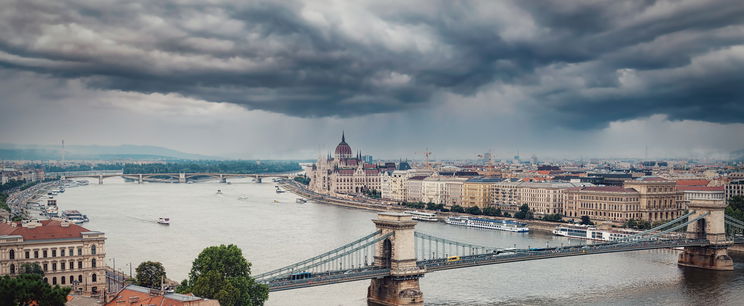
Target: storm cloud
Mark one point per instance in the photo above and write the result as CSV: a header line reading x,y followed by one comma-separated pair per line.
x,y
576,64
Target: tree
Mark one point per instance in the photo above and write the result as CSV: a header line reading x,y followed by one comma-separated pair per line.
x,y
586,221
28,289
150,274
222,273
507,215
431,206
553,217
31,268
524,212
492,211
474,210
458,209
735,207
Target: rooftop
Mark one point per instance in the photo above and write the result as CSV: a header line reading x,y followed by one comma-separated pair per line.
x,y
49,229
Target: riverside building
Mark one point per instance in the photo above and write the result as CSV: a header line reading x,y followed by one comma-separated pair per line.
x,y
343,173
70,255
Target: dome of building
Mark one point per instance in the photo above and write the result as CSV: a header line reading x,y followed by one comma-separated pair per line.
x,y
343,150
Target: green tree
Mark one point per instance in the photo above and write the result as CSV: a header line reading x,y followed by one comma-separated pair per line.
x,y
524,212
735,207
474,210
150,274
222,273
553,217
507,215
586,221
491,211
431,206
25,289
458,209
31,268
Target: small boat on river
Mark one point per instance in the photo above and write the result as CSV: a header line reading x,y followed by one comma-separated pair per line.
x,y
164,221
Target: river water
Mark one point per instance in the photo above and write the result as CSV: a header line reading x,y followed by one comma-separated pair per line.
x,y
273,235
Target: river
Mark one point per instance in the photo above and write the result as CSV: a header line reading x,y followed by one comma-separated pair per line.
x,y
273,235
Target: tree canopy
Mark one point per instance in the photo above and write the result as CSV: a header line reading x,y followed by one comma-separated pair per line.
x,y
26,289
524,212
735,207
150,274
222,273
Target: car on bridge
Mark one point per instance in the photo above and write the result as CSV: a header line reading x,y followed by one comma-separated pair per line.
x,y
453,258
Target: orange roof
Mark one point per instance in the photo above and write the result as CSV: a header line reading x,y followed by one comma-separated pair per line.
x,y
693,182
49,229
137,295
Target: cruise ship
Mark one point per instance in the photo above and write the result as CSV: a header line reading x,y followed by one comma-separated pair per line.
x,y
74,216
590,233
502,225
422,216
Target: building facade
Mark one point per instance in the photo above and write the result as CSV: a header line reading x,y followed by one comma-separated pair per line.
x,y
344,173
69,254
734,188
478,192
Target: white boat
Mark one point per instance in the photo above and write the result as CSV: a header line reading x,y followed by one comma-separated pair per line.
x,y
73,216
219,191
164,221
276,201
502,225
591,233
422,216
301,201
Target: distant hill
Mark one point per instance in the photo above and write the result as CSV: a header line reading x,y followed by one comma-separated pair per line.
x,y
80,152
738,155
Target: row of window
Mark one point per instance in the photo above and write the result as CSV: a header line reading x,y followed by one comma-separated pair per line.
x,y
62,265
53,252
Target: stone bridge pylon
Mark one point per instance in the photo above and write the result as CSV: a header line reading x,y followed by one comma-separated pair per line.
x,y
712,227
398,254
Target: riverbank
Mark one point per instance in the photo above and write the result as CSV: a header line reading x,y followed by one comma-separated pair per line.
x,y
296,188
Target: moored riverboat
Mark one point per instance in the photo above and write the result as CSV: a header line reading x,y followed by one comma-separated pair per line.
x,y
502,225
422,216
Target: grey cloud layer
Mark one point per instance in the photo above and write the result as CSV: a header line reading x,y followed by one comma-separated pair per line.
x,y
577,63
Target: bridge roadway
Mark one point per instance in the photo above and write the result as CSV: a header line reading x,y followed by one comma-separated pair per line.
x,y
498,257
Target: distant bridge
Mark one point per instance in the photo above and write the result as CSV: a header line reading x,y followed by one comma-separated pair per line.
x,y
182,177
395,256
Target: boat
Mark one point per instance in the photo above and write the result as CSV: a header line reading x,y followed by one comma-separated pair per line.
x,y
73,216
219,191
276,201
422,216
591,233
502,225
280,191
300,201
164,221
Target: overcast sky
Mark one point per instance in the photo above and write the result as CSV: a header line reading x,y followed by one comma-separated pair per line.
x,y
268,79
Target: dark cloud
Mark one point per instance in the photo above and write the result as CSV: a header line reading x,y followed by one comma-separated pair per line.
x,y
577,63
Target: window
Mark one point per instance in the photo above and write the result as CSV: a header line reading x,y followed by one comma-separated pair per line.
x,y
72,253
28,254
94,277
93,249
54,252
12,269
54,280
54,266
11,254
93,262
80,251
80,264
46,267
62,280
36,253
80,278
62,266
72,279
62,254
45,253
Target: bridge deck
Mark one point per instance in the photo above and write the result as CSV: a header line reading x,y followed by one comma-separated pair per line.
x,y
440,264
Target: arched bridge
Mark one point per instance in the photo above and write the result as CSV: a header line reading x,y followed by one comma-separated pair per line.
x,y
395,256
182,177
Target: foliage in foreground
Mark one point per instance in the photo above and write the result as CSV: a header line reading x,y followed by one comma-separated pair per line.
x,y
150,274
26,289
222,273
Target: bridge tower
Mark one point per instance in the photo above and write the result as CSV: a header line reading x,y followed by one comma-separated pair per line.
x,y
182,178
711,227
398,253
100,179
223,179
140,179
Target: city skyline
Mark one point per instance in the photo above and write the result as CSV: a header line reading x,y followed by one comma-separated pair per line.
x,y
282,80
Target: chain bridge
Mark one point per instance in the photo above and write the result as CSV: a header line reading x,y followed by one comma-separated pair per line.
x,y
395,256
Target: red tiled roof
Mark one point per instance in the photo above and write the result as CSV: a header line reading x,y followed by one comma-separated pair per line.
x,y
49,229
609,189
700,188
692,182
